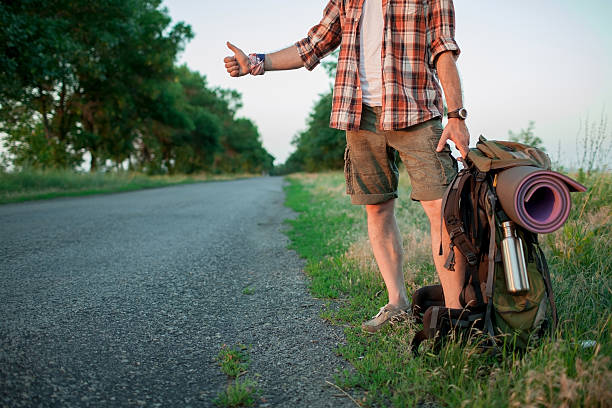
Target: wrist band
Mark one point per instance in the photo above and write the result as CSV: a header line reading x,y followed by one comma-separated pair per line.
x,y
256,64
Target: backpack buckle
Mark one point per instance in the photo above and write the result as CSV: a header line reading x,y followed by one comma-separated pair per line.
x,y
456,231
471,258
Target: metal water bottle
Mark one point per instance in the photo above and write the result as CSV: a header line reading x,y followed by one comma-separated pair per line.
x,y
514,260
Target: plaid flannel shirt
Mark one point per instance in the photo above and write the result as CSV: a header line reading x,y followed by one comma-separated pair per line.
x,y
416,32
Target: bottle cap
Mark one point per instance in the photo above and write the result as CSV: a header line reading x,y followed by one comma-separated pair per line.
x,y
508,229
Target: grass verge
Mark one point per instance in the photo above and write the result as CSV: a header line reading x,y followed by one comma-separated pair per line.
x,y
331,234
37,185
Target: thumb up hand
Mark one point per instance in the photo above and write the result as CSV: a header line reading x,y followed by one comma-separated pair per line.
x,y
238,64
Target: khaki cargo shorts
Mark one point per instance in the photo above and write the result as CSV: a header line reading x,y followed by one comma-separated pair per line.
x,y
370,160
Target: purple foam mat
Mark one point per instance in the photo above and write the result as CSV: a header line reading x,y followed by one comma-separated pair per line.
x,y
538,200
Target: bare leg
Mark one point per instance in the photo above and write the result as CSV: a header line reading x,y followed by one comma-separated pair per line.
x,y
452,281
387,247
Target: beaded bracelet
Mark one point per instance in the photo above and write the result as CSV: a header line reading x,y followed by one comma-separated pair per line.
x,y
256,64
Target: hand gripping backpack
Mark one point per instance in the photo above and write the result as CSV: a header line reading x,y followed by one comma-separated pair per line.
x,y
473,217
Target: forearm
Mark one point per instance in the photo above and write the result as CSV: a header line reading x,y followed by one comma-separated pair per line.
x,y
285,59
449,78
455,129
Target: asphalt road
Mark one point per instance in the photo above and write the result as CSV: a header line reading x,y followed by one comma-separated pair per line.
x,y
126,299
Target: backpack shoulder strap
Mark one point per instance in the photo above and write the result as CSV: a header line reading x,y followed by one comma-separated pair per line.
x,y
454,223
444,203
491,202
478,195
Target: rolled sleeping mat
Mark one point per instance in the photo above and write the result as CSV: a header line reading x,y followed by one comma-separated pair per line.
x,y
536,199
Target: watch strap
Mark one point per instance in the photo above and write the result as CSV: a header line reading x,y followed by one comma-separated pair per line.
x,y
460,113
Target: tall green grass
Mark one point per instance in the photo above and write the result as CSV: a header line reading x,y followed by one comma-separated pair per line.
x,y
331,234
31,184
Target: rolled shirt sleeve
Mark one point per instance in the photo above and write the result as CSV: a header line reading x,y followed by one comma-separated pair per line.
x,y
441,29
323,38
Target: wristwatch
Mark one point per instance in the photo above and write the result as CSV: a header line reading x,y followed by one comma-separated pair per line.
x,y
460,113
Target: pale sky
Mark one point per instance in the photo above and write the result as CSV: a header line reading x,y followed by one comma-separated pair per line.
x,y
547,61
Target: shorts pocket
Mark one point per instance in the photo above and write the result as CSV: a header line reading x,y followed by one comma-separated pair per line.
x,y
348,172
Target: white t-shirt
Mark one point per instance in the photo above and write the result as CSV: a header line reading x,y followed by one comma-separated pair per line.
x,y
370,57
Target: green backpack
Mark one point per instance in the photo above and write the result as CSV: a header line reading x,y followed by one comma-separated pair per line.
x,y
473,218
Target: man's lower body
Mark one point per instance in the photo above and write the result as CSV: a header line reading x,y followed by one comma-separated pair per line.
x,y
372,179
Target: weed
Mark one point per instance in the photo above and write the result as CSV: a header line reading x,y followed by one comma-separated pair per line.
x,y
593,145
248,291
242,393
234,361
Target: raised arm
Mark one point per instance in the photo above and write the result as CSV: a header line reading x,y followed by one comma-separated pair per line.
x,y
287,58
320,41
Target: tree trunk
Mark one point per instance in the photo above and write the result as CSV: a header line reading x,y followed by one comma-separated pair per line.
x,y
61,114
93,162
46,126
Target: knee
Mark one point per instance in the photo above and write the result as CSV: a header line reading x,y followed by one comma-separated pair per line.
x,y
433,209
382,210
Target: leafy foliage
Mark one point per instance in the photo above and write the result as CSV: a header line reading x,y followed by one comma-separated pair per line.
x,y
527,136
99,78
319,147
